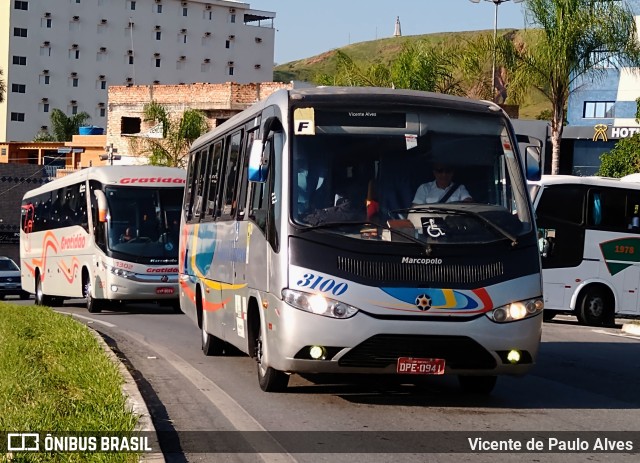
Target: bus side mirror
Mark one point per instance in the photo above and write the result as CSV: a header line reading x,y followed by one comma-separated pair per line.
x,y
102,205
533,165
258,162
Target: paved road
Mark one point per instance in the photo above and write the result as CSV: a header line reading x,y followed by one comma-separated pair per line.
x,y
586,380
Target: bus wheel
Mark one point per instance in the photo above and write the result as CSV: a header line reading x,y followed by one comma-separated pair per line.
x,y
211,345
548,315
477,384
592,310
41,297
270,380
93,305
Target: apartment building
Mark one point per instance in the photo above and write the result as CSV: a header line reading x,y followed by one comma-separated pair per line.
x,y
64,54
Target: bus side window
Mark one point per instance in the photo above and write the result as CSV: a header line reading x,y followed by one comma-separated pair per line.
x,y
215,153
230,174
607,207
242,174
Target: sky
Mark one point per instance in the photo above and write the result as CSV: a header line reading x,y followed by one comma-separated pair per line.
x,y
306,28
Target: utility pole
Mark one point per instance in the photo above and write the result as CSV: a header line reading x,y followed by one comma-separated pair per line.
x,y
110,154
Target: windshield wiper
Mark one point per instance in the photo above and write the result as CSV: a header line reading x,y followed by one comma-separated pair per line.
x,y
363,223
450,210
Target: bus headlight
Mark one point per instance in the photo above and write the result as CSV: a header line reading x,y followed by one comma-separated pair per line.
x,y
121,272
518,310
318,304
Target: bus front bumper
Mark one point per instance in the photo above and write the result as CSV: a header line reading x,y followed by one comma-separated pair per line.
x,y
363,344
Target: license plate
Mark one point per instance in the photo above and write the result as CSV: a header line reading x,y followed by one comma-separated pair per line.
x,y
164,290
418,366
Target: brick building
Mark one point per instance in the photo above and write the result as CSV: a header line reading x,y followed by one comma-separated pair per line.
x,y
218,102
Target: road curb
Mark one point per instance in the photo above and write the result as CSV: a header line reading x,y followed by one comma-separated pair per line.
x,y
631,328
135,402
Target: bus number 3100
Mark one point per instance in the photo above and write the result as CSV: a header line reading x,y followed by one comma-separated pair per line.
x,y
326,285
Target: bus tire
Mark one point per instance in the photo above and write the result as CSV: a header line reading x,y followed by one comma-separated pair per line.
x,y
548,315
592,309
93,305
41,297
270,379
211,345
477,384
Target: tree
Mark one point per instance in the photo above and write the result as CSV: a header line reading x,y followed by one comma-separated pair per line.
x,y
575,39
416,67
624,158
178,133
65,127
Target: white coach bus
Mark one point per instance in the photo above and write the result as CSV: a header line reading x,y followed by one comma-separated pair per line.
x,y
106,234
301,247
589,239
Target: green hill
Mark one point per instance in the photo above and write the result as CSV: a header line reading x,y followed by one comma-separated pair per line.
x,y
384,50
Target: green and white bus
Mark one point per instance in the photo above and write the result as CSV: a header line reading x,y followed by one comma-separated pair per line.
x,y
108,234
300,245
589,240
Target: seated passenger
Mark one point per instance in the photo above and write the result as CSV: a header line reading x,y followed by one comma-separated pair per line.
x,y
127,235
442,189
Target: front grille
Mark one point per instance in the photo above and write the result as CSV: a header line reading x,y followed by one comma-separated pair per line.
x,y
382,350
10,279
443,273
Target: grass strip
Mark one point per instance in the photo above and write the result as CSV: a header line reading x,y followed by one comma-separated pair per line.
x,y
54,377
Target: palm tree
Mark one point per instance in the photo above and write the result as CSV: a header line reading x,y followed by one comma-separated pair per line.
x,y
65,127
574,39
417,67
178,133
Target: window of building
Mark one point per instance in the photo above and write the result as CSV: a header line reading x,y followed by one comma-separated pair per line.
x,y
130,125
74,109
232,18
45,22
159,8
17,117
158,35
599,109
103,85
19,60
74,82
227,44
207,14
74,53
130,59
19,32
132,5
230,70
45,107
45,50
19,5
157,61
18,88
45,79
103,112
185,11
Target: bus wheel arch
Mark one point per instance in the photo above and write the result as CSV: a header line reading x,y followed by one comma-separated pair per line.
x,y
269,379
211,345
596,305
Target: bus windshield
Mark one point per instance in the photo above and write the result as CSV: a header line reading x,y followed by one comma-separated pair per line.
x,y
371,173
144,221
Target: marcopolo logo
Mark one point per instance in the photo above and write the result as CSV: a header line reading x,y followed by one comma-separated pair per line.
x,y
422,261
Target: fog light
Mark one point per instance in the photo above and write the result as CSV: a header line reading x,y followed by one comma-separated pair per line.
x,y
513,356
316,352
114,288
